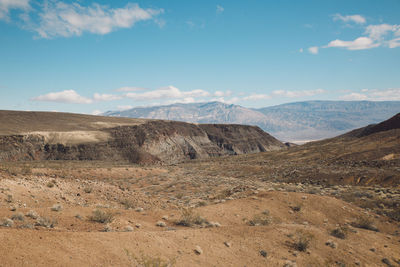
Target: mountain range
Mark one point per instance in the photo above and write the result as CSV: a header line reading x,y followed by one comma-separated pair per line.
x,y
293,122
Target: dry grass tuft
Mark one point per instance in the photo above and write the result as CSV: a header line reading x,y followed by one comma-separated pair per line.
x,y
101,216
190,218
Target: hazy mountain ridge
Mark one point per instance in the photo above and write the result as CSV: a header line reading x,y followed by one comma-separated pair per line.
x,y
297,121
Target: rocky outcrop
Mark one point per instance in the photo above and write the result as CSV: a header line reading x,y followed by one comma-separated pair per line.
x,y
149,142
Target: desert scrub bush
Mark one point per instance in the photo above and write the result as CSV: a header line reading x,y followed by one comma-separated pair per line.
x,y
148,261
260,219
9,198
128,204
365,223
88,189
202,203
45,222
296,208
302,240
394,214
101,216
50,184
17,217
340,232
26,170
56,207
190,218
6,222
32,214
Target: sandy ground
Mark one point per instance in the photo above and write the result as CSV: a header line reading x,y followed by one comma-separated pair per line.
x,y
132,194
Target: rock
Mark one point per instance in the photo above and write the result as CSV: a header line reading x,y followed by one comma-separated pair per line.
x,y
128,228
161,224
7,222
263,253
372,249
387,262
331,244
56,207
198,250
215,224
227,244
289,263
139,209
107,228
165,218
138,225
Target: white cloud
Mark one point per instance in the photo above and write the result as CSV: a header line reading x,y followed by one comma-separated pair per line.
x,y
374,95
292,94
71,96
394,43
350,18
358,44
377,32
67,96
301,50
130,89
220,9
221,93
7,5
169,92
232,100
96,112
313,50
380,35
105,97
256,97
66,20
124,107
354,97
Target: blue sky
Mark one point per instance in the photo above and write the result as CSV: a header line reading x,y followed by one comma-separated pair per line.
x,y
93,56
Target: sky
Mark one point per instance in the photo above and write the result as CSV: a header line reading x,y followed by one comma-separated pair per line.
x,y
93,56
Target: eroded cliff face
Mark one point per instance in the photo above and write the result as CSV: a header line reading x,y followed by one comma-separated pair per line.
x,y
153,141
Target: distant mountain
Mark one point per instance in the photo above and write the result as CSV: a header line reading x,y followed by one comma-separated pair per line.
x,y
295,122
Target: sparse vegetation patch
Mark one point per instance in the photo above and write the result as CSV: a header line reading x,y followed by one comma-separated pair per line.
x,y
190,218
101,216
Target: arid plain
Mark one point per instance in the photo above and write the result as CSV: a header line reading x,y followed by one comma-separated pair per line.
x,y
334,202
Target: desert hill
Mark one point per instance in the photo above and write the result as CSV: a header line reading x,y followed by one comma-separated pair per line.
x,y
63,136
390,124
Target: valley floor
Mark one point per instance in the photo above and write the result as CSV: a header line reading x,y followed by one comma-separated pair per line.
x,y
192,214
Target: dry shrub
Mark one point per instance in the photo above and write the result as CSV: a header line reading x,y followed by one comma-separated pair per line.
x,y
190,218
148,261
101,216
260,219
45,222
340,232
302,240
365,223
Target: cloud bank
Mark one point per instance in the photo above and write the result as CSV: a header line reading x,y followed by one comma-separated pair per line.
x,y
66,20
52,18
168,95
391,94
379,35
7,5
